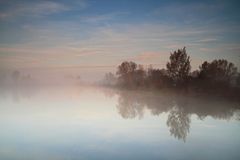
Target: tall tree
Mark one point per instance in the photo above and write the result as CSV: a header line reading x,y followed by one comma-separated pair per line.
x,y
179,67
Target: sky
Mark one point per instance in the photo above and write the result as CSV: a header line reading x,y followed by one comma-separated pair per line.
x,y
92,37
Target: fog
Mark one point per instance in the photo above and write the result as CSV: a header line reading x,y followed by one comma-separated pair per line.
x,y
51,76
48,122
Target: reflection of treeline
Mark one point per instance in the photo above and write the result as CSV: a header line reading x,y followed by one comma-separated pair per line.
x,y
179,104
132,103
15,78
211,75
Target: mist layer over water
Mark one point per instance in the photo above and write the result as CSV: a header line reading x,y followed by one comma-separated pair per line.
x,y
84,122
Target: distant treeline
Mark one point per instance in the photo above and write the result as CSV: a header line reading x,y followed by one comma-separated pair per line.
x,y
218,74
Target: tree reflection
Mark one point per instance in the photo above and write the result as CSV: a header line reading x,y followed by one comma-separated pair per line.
x,y
129,107
179,123
179,106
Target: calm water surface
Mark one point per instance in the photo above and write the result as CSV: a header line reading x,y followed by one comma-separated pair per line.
x,y
85,123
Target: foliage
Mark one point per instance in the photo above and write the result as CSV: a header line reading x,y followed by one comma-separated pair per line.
x,y
179,66
130,75
238,79
218,72
158,78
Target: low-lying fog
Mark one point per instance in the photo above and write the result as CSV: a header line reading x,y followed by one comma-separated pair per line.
x,y
90,122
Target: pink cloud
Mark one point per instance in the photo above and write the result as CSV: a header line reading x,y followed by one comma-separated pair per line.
x,y
150,56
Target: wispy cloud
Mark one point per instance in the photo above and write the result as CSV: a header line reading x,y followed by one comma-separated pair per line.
x,y
36,9
207,40
103,17
192,13
143,43
150,56
155,59
17,56
230,48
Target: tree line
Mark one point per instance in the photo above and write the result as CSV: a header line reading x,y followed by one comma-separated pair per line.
x,y
210,75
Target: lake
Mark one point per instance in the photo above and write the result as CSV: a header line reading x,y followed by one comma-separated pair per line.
x,y
88,123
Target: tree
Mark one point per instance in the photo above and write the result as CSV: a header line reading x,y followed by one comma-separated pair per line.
x,y
238,79
158,78
179,66
125,72
218,72
109,79
126,68
139,76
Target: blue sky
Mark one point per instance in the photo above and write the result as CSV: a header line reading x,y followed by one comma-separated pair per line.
x,y
95,33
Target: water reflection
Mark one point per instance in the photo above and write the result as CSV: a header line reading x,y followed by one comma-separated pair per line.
x,y
179,123
16,93
179,105
74,122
